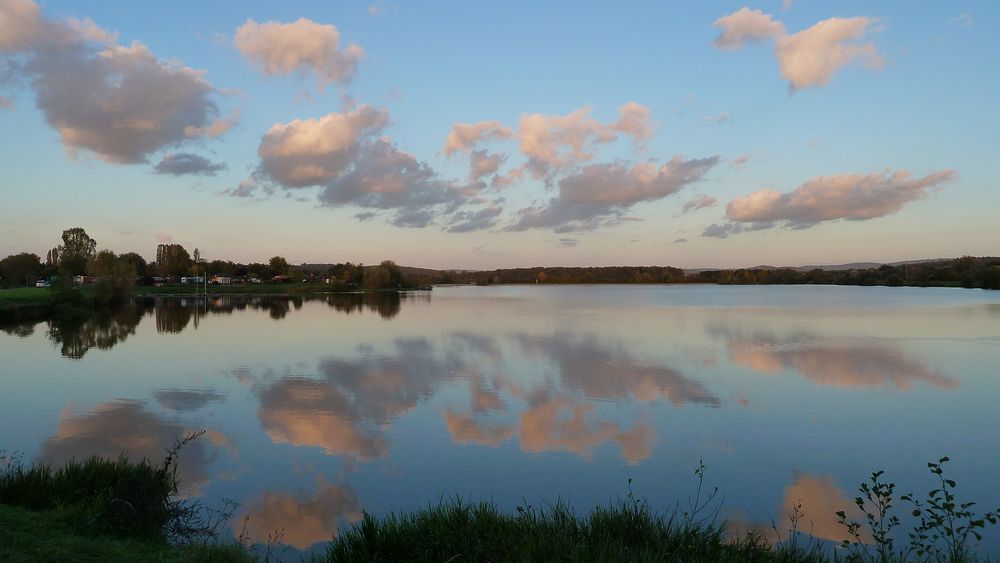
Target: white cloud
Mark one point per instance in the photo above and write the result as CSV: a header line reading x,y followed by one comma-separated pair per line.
x,y
810,57
120,102
963,19
855,197
720,119
299,47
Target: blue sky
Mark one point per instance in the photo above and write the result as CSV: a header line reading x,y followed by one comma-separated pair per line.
x,y
812,132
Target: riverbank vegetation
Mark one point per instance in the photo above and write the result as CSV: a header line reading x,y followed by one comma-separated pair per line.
x,y
99,509
96,509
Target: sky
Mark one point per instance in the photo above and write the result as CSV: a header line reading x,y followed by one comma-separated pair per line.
x,y
481,135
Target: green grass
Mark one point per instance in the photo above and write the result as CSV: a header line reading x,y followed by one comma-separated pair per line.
x,y
22,296
120,497
54,535
630,531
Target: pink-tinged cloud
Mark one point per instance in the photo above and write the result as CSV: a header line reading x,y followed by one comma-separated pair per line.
x,y
600,194
21,25
127,428
345,155
856,197
746,26
302,520
464,136
555,142
119,102
484,164
557,423
465,428
300,47
810,57
700,202
311,152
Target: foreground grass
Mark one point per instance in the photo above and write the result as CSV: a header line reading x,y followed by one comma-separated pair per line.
x,y
54,535
104,510
630,531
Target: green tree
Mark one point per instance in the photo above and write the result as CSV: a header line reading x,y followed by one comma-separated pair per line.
x,y
137,261
76,250
20,269
279,266
386,275
172,259
116,277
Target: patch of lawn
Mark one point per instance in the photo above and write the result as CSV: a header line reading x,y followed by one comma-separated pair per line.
x,y
21,296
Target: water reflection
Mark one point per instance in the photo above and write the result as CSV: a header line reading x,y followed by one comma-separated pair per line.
x,y
186,400
102,330
829,362
386,304
348,407
119,427
105,328
343,412
301,520
809,505
20,330
605,371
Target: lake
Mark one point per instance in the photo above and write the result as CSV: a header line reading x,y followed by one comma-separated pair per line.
x,y
318,409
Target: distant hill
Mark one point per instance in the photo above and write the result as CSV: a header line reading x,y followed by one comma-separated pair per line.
x,y
826,267
967,271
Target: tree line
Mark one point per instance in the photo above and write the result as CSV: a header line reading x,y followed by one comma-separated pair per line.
x,y
114,274
967,271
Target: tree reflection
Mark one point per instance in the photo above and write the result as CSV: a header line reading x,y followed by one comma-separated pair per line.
x,y
386,303
103,329
19,329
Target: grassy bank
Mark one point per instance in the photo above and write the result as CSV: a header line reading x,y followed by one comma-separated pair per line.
x,y
56,535
99,510
630,531
103,510
25,296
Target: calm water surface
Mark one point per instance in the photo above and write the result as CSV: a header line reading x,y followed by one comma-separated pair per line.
x,y
317,410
